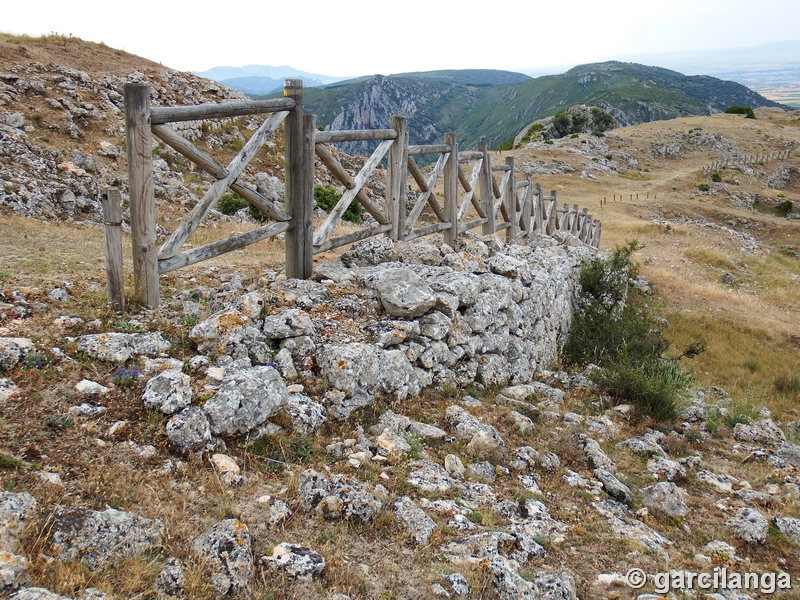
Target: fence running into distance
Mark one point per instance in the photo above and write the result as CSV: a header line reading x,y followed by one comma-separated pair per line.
x,y
515,204
747,159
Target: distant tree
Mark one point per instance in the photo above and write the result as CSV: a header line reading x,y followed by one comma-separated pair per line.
x,y
741,110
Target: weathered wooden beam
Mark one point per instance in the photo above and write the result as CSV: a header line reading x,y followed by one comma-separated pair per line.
x,y
462,179
500,167
538,213
511,199
396,178
429,149
213,249
336,214
138,141
215,110
470,191
206,162
355,135
214,193
426,187
427,230
596,234
465,157
354,236
451,190
111,200
485,182
471,225
338,171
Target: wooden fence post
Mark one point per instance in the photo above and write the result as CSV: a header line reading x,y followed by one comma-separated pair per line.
x,y
527,208
451,190
539,215
485,186
299,185
552,215
111,200
140,188
396,179
511,200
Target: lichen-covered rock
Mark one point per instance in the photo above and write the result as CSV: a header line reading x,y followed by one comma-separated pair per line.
x,y
430,476
479,546
297,561
96,538
597,458
189,430
749,525
665,468
466,427
211,333
414,519
615,488
337,498
789,526
626,526
454,466
7,389
13,350
169,391
459,584
120,347
13,572
373,251
228,548
543,585
34,593
171,580
362,371
665,498
245,400
16,511
765,432
307,415
288,323
402,292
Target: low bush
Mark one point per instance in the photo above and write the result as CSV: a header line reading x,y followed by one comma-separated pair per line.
x,y
612,328
716,178
327,197
230,203
741,110
703,187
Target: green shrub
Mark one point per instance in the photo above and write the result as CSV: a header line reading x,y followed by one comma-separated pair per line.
x,y
741,110
716,178
327,197
703,187
230,203
785,206
613,329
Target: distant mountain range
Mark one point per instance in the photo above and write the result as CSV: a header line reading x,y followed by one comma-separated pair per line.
x,y
497,105
264,79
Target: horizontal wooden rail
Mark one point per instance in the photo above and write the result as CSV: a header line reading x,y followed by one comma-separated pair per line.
x,y
430,149
215,110
330,137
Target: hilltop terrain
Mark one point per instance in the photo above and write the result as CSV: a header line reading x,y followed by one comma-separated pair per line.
x,y
437,102
401,504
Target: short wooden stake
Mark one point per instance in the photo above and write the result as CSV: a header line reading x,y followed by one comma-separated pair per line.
x,y
111,200
451,190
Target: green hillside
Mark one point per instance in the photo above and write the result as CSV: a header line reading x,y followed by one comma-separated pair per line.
x,y
478,104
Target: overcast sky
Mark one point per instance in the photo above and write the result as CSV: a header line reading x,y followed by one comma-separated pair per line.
x,y
354,37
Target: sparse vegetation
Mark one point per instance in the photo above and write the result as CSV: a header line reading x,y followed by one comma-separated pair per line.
x,y
613,329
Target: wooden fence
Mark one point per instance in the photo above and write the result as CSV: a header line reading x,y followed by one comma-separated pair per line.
x,y
747,159
515,204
